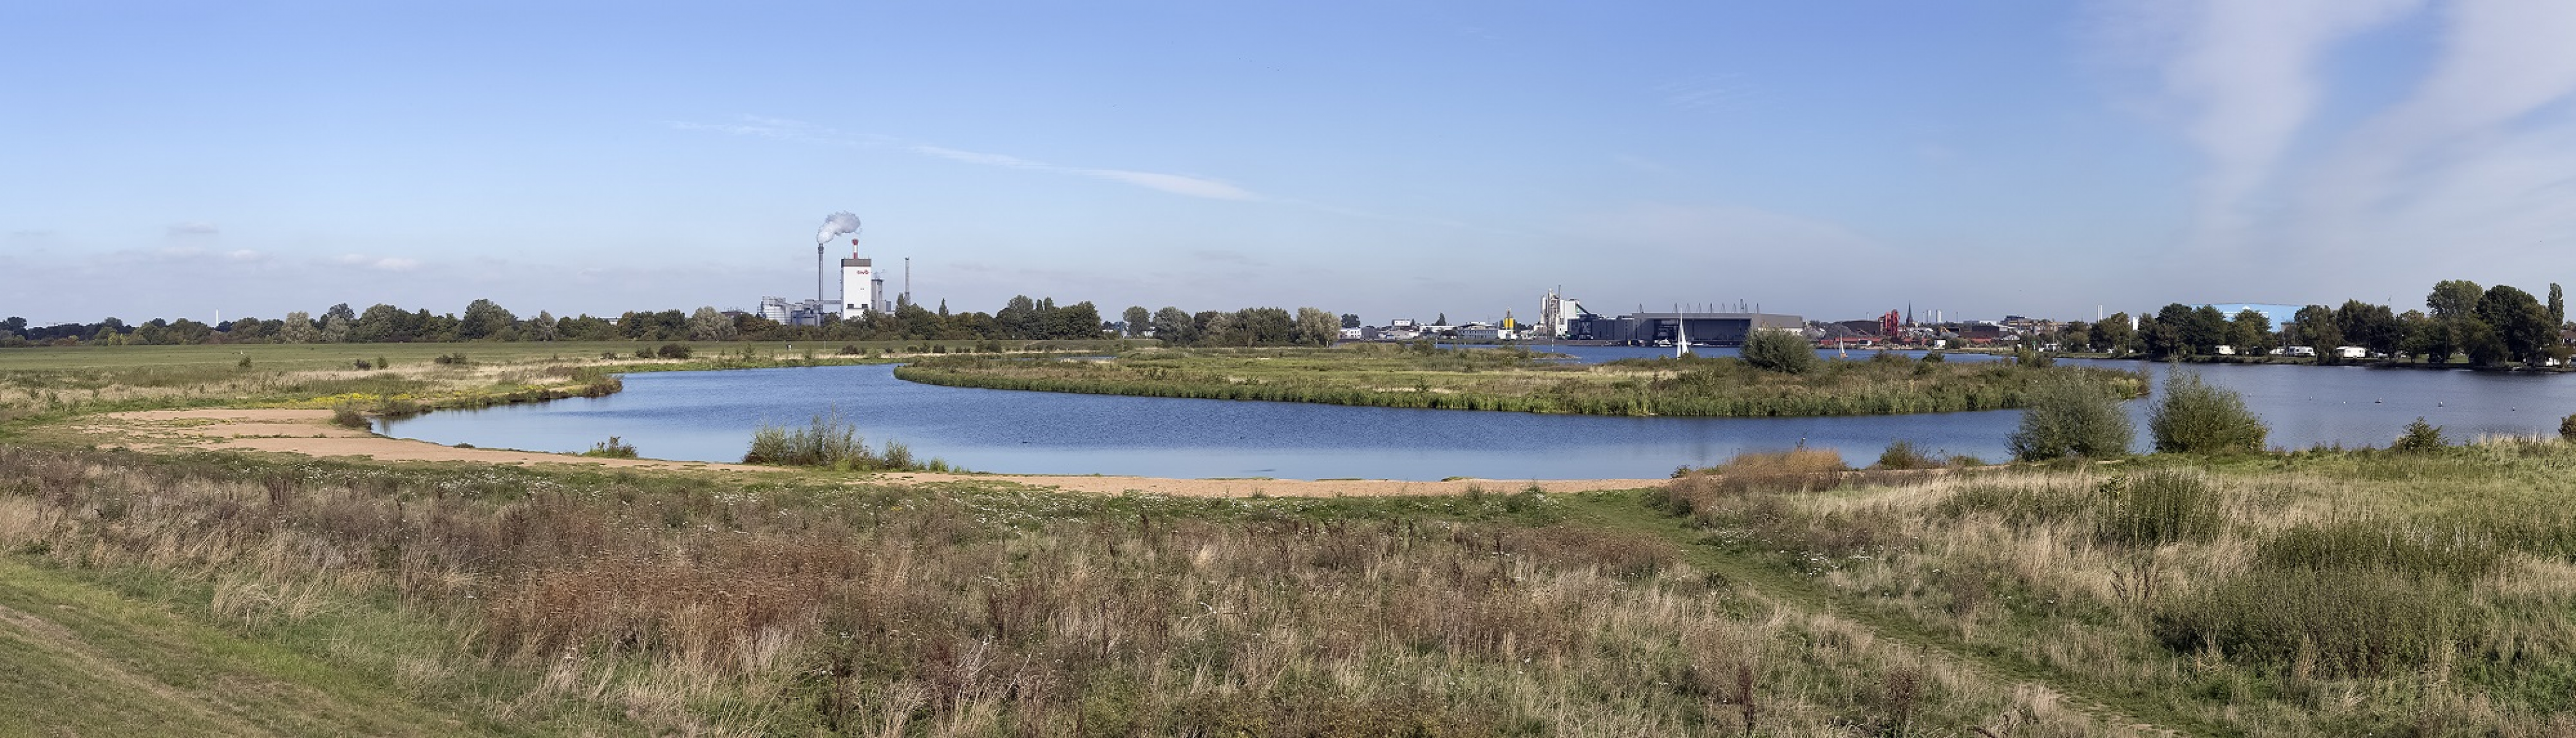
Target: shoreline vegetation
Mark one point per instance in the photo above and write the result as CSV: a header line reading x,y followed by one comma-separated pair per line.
x,y
1517,380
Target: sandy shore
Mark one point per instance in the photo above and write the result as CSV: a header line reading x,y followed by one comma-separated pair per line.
x,y
310,432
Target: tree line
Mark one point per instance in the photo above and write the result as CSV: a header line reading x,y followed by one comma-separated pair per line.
x,y
2485,326
1021,318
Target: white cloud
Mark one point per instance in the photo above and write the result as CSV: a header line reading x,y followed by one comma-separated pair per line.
x,y
2249,70
378,263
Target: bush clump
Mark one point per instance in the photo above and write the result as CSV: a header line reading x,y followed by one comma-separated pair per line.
x,y
2196,418
2567,428
2421,437
673,351
349,415
1779,351
613,448
2065,417
830,442
1901,454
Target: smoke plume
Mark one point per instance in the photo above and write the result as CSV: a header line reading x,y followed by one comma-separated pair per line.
x,y
835,225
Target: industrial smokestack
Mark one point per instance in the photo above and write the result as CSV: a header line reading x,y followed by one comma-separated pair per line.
x,y
833,226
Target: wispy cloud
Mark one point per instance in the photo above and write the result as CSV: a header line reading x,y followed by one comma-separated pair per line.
x,y
2249,70
2472,171
377,263
799,131
1716,92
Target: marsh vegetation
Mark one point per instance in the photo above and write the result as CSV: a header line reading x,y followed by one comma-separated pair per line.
x,y
1516,379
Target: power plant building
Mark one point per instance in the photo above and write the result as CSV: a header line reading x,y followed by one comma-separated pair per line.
x,y
862,289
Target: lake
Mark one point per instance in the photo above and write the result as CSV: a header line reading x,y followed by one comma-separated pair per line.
x,y
710,416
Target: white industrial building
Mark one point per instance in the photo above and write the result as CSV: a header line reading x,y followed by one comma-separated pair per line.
x,y
862,289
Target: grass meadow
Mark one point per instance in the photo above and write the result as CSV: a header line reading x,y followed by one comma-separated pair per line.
x,y
2320,593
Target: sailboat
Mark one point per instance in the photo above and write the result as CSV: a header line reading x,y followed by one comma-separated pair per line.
x,y
1681,335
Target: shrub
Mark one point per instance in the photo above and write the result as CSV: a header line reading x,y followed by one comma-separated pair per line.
x,y
1901,454
2157,507
384,363
2421,437
851,349
2195,418
244,363
613,448
2567,428
1934,357
681,351
1779,351
2065,417
348,415
2026,356
455,359
363,364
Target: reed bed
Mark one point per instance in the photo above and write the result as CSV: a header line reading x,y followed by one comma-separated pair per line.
x,y
1516,380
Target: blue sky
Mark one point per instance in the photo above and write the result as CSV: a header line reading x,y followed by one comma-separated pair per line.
x,y
1833,159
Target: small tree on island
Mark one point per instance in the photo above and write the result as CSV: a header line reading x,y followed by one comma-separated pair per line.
x,y
1779,351
2064,417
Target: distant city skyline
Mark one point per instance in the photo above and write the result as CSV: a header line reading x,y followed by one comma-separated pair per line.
x,y
1831,160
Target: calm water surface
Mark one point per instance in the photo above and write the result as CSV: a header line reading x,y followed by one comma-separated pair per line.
x,y
709,416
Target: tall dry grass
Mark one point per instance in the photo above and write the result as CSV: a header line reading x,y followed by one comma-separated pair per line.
x,y
681,605
2317,594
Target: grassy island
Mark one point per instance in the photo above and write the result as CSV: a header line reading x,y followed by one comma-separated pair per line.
x,y
1517,379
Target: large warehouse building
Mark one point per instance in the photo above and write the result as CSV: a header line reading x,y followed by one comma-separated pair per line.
x,y
1722,329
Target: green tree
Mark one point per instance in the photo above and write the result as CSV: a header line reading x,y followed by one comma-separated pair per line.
x,y
1217,329
706,324
2426,338
298,328
2114,335
2520,323
1266,326
2161,336
1138,319
2454,298
2065,416
2250,332
484,319
2557,307
1174,327
2480,342
2317,329
2370,326
2195,418
1779,351
543,327
1317,326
